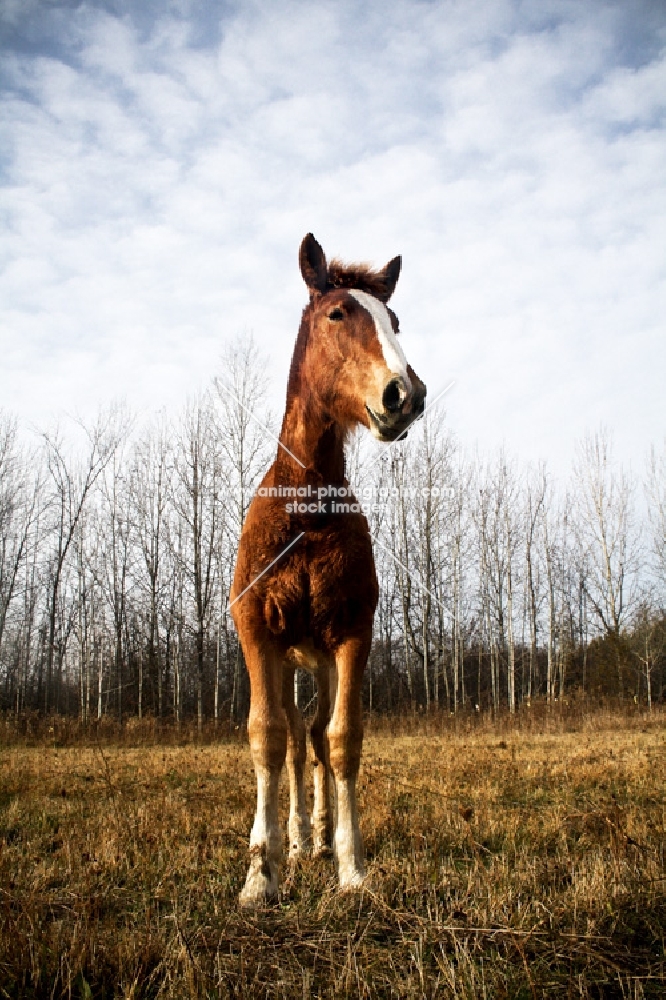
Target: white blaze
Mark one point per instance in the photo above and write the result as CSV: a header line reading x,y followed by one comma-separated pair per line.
x,y
394,357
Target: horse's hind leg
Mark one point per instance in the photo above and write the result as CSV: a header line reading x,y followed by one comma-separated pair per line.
x,y
322,818
300,833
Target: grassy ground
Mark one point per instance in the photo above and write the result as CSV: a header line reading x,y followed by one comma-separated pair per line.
x,y
520,859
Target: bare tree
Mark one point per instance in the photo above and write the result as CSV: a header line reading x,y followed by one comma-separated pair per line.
x,y
508,489
20,488
608,532
86,546
648,644
608,535
535,500
199,504
656,497
118,556
496,549
436,541
151,467
247,445
72,479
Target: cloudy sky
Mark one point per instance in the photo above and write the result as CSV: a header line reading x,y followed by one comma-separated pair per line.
x,y
161,161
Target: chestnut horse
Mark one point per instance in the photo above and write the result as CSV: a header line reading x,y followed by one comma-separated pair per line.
x,y
305,589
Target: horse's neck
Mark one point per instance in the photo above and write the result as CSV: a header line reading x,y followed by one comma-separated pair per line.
x,y
316,442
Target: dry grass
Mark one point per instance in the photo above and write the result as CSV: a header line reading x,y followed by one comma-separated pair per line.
x,y
508,860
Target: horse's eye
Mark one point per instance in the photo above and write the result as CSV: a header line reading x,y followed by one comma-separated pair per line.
x,y
336,315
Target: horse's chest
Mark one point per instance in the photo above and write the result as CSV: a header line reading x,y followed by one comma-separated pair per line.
x,y
328,590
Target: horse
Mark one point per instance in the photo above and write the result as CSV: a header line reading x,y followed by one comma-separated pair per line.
x,y
305,590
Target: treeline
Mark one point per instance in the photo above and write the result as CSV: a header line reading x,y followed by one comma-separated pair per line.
x,y
498,585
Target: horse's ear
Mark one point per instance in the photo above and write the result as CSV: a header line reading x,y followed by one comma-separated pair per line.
x,y
390,276
313,264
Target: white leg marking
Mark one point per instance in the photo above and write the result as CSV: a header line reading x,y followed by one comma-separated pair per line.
x,y
348,843
265,841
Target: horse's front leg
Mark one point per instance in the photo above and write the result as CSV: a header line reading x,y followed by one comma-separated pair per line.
x,y
345,740
300,833
267,727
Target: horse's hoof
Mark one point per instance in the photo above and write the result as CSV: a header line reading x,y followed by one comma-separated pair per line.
x,y
351,879
261,884
257,896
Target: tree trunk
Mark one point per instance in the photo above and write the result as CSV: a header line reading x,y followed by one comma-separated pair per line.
x,y
140,701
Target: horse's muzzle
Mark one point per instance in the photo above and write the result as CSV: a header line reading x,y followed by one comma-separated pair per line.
x,y
401,407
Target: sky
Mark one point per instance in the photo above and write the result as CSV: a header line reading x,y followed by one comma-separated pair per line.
x,y
160,163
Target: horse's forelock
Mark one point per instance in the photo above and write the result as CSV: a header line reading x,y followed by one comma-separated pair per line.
x,y
359,276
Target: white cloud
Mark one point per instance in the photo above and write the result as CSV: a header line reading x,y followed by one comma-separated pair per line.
x,y
156,190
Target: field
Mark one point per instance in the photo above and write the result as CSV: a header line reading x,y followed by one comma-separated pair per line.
x,y
521,858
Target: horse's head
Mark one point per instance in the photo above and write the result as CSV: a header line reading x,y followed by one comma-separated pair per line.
x,y
359,369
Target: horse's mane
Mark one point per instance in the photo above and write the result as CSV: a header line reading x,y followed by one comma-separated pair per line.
x,y
359,276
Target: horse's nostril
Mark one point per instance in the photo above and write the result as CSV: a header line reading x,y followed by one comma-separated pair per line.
x,y
394,395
